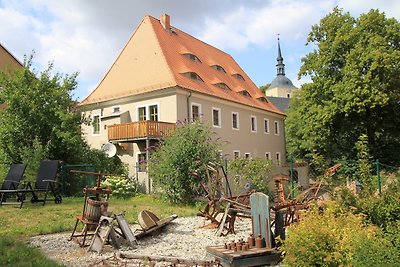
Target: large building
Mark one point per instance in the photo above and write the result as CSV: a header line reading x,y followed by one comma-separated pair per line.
x,y
164,75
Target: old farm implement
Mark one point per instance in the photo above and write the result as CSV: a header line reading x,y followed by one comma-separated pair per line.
x,y
222,207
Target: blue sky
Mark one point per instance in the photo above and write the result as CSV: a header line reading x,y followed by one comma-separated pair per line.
x,y
87,35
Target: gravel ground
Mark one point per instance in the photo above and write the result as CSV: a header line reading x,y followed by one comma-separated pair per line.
x,y
182,238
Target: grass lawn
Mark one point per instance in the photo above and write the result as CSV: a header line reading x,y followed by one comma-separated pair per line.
x,y
17,225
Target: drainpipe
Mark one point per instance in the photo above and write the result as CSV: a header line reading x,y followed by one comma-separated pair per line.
x,y
188,105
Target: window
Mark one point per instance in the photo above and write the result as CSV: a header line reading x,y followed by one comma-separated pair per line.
x,y
268,155
193,76
235,120
262,99
236,154
266,126
142,162
253,122
278,158
276,126
196,111
247,155
222,86
238,76
192,57
153,110
116,109
142,114
218,68
216,116
148,113
288,95
96,124
244,93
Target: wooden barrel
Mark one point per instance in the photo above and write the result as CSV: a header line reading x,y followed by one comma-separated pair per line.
x,y
95,208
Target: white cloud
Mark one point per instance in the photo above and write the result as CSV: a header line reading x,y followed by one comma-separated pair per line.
x,y
356,7
260,25
87,36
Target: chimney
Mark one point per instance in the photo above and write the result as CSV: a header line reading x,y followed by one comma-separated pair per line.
x,y
165,22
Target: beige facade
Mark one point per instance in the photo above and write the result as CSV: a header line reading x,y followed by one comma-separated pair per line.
x,y
163,76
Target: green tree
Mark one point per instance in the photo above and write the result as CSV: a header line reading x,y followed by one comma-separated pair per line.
x,y
264,88
187,151
39,120
355,73
39,107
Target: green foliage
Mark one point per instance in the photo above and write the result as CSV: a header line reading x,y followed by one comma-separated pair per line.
x,y
40,121
364,161
383,210
39,108
355,76
264,88
172,164
33,155
121,186
336,238
254,171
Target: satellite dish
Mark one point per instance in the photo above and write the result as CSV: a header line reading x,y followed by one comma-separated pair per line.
x,y
110,149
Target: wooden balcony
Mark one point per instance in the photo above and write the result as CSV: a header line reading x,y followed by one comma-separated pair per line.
x,y
139,130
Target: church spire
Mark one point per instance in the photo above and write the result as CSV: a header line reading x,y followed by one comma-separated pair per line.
x,y
280,67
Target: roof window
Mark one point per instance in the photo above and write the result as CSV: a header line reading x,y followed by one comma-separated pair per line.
x,y
222,86
238,76
192,57
244,93
218,68
193,76
262,99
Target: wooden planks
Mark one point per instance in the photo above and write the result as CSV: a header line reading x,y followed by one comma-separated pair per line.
x,y
252,257
126,230
260,217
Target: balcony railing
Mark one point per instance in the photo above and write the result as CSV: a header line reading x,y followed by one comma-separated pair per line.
x,y
140,129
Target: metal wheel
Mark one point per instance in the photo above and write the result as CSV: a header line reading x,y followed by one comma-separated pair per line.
x,y
34,199
58,199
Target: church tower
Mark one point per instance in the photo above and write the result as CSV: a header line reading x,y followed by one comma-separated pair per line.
x,y
281,86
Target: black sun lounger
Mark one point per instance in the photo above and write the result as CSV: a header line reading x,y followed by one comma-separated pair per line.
x,y
11,183
45,182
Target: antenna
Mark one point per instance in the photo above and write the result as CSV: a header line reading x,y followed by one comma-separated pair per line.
x,y
110,149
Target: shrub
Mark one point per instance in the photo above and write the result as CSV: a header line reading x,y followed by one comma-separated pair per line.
x,y
336,238
121,186
188,150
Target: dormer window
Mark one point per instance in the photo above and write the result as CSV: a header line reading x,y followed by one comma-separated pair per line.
x,y
193,76
222,86
262,99
244,93
218,68
192,57
238,76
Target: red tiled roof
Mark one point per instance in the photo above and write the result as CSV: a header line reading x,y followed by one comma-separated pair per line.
x,y
175,43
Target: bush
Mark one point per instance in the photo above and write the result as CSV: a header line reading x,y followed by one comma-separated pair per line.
x,y
336,238
173,163
121,186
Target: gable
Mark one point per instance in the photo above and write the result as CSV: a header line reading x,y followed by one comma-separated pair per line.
x,y
158,56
